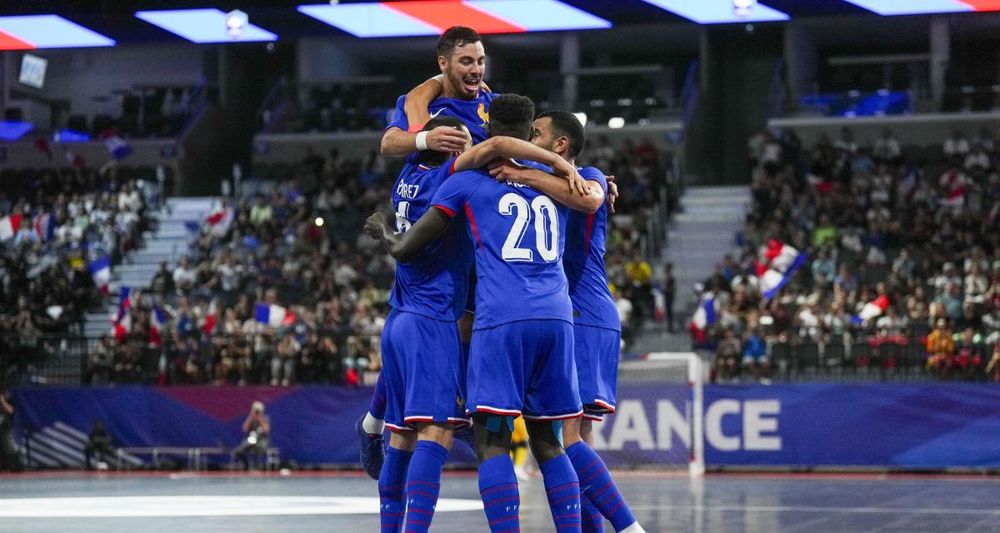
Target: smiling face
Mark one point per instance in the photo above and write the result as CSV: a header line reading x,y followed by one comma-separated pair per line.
x,y
463,70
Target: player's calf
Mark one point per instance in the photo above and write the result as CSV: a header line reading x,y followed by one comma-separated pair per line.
x,y
497,481
392,504
423,478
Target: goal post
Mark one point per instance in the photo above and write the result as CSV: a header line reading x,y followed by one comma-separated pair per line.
x,y
676,367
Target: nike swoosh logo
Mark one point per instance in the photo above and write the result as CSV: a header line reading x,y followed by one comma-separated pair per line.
x,y
436,113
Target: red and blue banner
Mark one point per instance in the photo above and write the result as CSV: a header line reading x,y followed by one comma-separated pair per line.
x,y
904,426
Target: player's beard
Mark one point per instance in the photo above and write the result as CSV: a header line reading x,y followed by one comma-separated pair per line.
x,y
462,88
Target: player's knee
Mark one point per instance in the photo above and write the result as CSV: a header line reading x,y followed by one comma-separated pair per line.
x,y
544,443
572,431
434,432
403,440
492,439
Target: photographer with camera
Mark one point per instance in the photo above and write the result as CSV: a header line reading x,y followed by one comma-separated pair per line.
x,y
257,428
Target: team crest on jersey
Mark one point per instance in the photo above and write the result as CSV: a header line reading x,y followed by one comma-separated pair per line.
x,y
483,114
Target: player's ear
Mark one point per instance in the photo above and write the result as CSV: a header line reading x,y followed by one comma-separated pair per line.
x,y
442,63
562,144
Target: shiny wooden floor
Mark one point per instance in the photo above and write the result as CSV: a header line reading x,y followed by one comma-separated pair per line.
x,y
663,502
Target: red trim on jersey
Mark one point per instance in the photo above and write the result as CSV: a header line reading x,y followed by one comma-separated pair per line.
x,y
496,411
590,230
447,211
472,222
451,169
447,13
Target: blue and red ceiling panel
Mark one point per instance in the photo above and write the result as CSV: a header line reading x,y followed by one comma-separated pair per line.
x,y
31,32
925,7
719,11
205,25
432,17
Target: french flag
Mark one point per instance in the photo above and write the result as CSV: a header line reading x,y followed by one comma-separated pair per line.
x,y
117,147
780,264
871,310
100,272
156,322
274,315
210,318
122,323
219,220
45,226
9,226
703,318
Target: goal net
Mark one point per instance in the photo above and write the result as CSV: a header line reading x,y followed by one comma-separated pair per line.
x,y
658,422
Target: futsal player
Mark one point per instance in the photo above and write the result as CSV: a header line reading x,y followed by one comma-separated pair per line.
x,y
423,366
521,361
462,61
596,326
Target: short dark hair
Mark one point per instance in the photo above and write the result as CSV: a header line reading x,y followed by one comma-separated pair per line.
x,y
511,116
454,37
565,124
430,156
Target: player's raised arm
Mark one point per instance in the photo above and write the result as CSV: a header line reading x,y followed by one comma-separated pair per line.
x,y
582,195
419,99
407,246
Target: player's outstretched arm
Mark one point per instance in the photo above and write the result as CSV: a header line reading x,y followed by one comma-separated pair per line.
x,y
406,246
395,141
495,148
554,187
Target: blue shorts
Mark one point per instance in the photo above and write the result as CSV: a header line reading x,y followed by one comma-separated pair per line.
x,y
597,351
524,368
422,371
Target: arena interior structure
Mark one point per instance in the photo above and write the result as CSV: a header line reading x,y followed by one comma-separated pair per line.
x,y
804,255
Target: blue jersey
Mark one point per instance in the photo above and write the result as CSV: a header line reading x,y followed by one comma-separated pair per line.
x,y
519,238
584,263
473,113
435,284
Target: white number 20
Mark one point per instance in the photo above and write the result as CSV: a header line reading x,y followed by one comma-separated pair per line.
x,y
546,227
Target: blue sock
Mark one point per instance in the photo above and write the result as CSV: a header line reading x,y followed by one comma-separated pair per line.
x,y
563,491
377,405
390,489
593,520
498,487
423,484
597,485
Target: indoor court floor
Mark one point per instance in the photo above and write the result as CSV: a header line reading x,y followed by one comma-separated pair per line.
x,y
347,502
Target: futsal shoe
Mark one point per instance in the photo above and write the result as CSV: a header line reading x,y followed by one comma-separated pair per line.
x,y
372,450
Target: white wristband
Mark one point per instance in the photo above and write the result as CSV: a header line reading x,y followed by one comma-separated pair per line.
x,y
422,140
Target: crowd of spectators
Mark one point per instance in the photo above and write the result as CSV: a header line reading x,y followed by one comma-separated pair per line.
x,y
298,247
137,113
67,219
877,228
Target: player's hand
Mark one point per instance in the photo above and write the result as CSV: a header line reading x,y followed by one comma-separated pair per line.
x,y
612,192
375,225
446,139
506,170
577,184
484,87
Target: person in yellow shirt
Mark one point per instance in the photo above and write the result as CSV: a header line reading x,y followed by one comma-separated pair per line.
x,y
639,274
940,349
